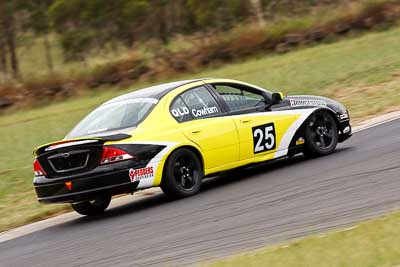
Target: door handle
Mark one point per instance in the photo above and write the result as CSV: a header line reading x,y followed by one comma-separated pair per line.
x,y
245,120
196,131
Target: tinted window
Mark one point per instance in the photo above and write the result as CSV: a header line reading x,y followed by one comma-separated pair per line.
x,y
180,111
239,98
195,104
112,116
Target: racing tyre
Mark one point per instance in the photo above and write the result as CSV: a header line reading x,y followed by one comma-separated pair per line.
x,y
182,174
321,134
93,207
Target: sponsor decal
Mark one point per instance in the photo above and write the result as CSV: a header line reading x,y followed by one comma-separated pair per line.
x,y
307,103
177,112
139,174
204,111
343,116
300,141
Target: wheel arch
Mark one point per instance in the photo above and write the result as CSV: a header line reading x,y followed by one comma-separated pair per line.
x,y
170,186
293,147
196,152
332,113
191,148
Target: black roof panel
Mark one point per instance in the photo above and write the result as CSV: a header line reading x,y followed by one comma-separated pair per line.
x,y
157,91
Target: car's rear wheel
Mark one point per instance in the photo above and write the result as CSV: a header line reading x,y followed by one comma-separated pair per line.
x,y
183,173
321,134
93,207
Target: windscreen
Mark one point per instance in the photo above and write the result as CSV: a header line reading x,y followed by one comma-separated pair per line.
x,y
113,116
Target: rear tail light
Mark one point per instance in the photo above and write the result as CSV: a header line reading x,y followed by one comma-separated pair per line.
x,y
37,169
68,185
112,154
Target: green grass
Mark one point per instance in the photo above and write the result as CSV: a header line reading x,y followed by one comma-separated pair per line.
x,y
31,53
370,244
33,65
362,72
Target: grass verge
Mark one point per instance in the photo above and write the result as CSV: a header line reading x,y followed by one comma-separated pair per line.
x,y
372,243
363,73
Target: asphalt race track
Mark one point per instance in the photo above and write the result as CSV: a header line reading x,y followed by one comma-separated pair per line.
x,y
238,211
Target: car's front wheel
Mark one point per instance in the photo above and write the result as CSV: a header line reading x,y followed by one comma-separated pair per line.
x,y
93,207
321,134
182,174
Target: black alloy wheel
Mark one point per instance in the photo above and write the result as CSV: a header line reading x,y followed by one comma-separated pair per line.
x,y
321,134
182,174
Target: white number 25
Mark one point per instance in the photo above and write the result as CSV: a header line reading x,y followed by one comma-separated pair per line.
x,y
264,138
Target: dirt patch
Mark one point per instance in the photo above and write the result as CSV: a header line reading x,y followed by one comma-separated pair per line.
x,y
345,92
3,172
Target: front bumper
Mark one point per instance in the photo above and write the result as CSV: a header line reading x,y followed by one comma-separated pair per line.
x,y
85,188
345,130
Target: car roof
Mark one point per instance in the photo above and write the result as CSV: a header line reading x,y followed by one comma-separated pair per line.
x,y
156,92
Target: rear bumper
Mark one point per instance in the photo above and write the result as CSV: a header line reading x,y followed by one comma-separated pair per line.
x,y
87,188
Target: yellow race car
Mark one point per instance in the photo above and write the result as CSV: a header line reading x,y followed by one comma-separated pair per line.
x,y
175,134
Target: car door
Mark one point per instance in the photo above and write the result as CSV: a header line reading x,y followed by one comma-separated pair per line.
x,y
260,131
203,122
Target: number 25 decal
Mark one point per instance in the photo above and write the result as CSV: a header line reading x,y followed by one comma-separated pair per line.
x,y
264,138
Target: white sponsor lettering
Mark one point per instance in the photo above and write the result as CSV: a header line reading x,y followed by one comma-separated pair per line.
x,y
307,103
204,111
177,112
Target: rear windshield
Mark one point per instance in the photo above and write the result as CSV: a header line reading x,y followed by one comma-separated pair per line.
x,y
113,116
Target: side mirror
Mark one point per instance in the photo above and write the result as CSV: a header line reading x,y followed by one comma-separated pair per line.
x,y
276,98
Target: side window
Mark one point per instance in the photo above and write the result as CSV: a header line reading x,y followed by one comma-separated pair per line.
x,y
201,103
238,98
180,111
193,104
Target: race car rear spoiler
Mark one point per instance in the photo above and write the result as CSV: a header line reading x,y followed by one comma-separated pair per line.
x,y
79,141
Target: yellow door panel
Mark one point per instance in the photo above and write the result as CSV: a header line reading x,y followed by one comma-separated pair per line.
x,y
261,133
217,138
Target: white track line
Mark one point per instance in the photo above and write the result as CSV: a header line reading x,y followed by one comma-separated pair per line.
x,y
385,118
37,226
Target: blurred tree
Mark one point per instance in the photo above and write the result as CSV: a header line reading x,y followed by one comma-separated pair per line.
x,y
204,12
39,22
87,24
159,19
132,23
258,11
180,17
3,51
8,10
69,18
241,10
221,14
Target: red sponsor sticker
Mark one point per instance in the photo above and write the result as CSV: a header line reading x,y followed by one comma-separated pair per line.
x,y
139,174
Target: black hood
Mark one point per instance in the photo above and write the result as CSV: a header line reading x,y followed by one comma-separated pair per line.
x,y
308,101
